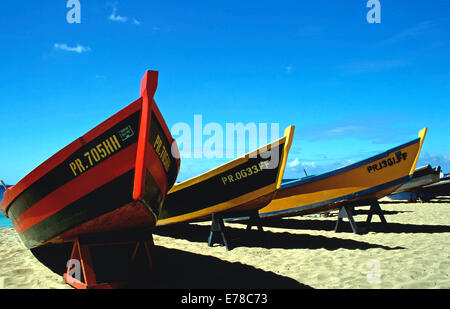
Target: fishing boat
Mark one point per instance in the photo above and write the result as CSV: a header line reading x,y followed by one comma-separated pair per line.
x,y
3,188
422,176
3,221
367,180
113,178
245,184
429,192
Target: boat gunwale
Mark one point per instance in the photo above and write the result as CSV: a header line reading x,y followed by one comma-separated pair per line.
x,y
235,162
59,157
338,200
301,181
438,183
222,207
15,191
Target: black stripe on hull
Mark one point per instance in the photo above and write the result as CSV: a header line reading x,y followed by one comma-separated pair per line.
x,y
62,174
214,191
153,199
165,156
105,199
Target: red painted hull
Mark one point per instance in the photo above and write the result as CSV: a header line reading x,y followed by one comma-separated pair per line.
x,y
114,178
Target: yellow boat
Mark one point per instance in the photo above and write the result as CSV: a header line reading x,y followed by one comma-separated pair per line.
x,y
244,184
365,181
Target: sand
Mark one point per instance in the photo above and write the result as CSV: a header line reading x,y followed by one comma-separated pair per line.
x,y
412,251
19,269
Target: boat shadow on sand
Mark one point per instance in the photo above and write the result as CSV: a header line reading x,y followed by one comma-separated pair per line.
x,y
176,269
378,227
432,201
180,269
239,237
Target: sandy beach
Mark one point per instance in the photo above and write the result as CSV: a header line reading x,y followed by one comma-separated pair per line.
x,y
411,251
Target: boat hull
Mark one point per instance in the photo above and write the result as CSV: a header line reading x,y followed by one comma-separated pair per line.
x,y
358,183
421,177
441,188
113,178
245,184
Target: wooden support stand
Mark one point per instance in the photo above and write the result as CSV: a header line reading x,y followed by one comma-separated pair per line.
x,y
375,209
218,226
348,211
254,220
82,257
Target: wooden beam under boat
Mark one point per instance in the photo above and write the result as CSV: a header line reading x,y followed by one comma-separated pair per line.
x,y
244,184
367,180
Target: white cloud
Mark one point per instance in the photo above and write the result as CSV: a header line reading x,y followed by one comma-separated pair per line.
x,y
122,19
297,164
294,163
77,49
442,160
298,169
309,164
344,130
346,162
415,31
117,18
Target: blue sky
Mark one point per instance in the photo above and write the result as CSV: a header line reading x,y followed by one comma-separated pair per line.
x,y
352,89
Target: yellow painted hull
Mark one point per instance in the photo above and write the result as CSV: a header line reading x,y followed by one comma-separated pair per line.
x,y
367,180
240,185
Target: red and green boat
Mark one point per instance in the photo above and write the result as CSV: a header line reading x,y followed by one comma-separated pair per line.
x,y
114,178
